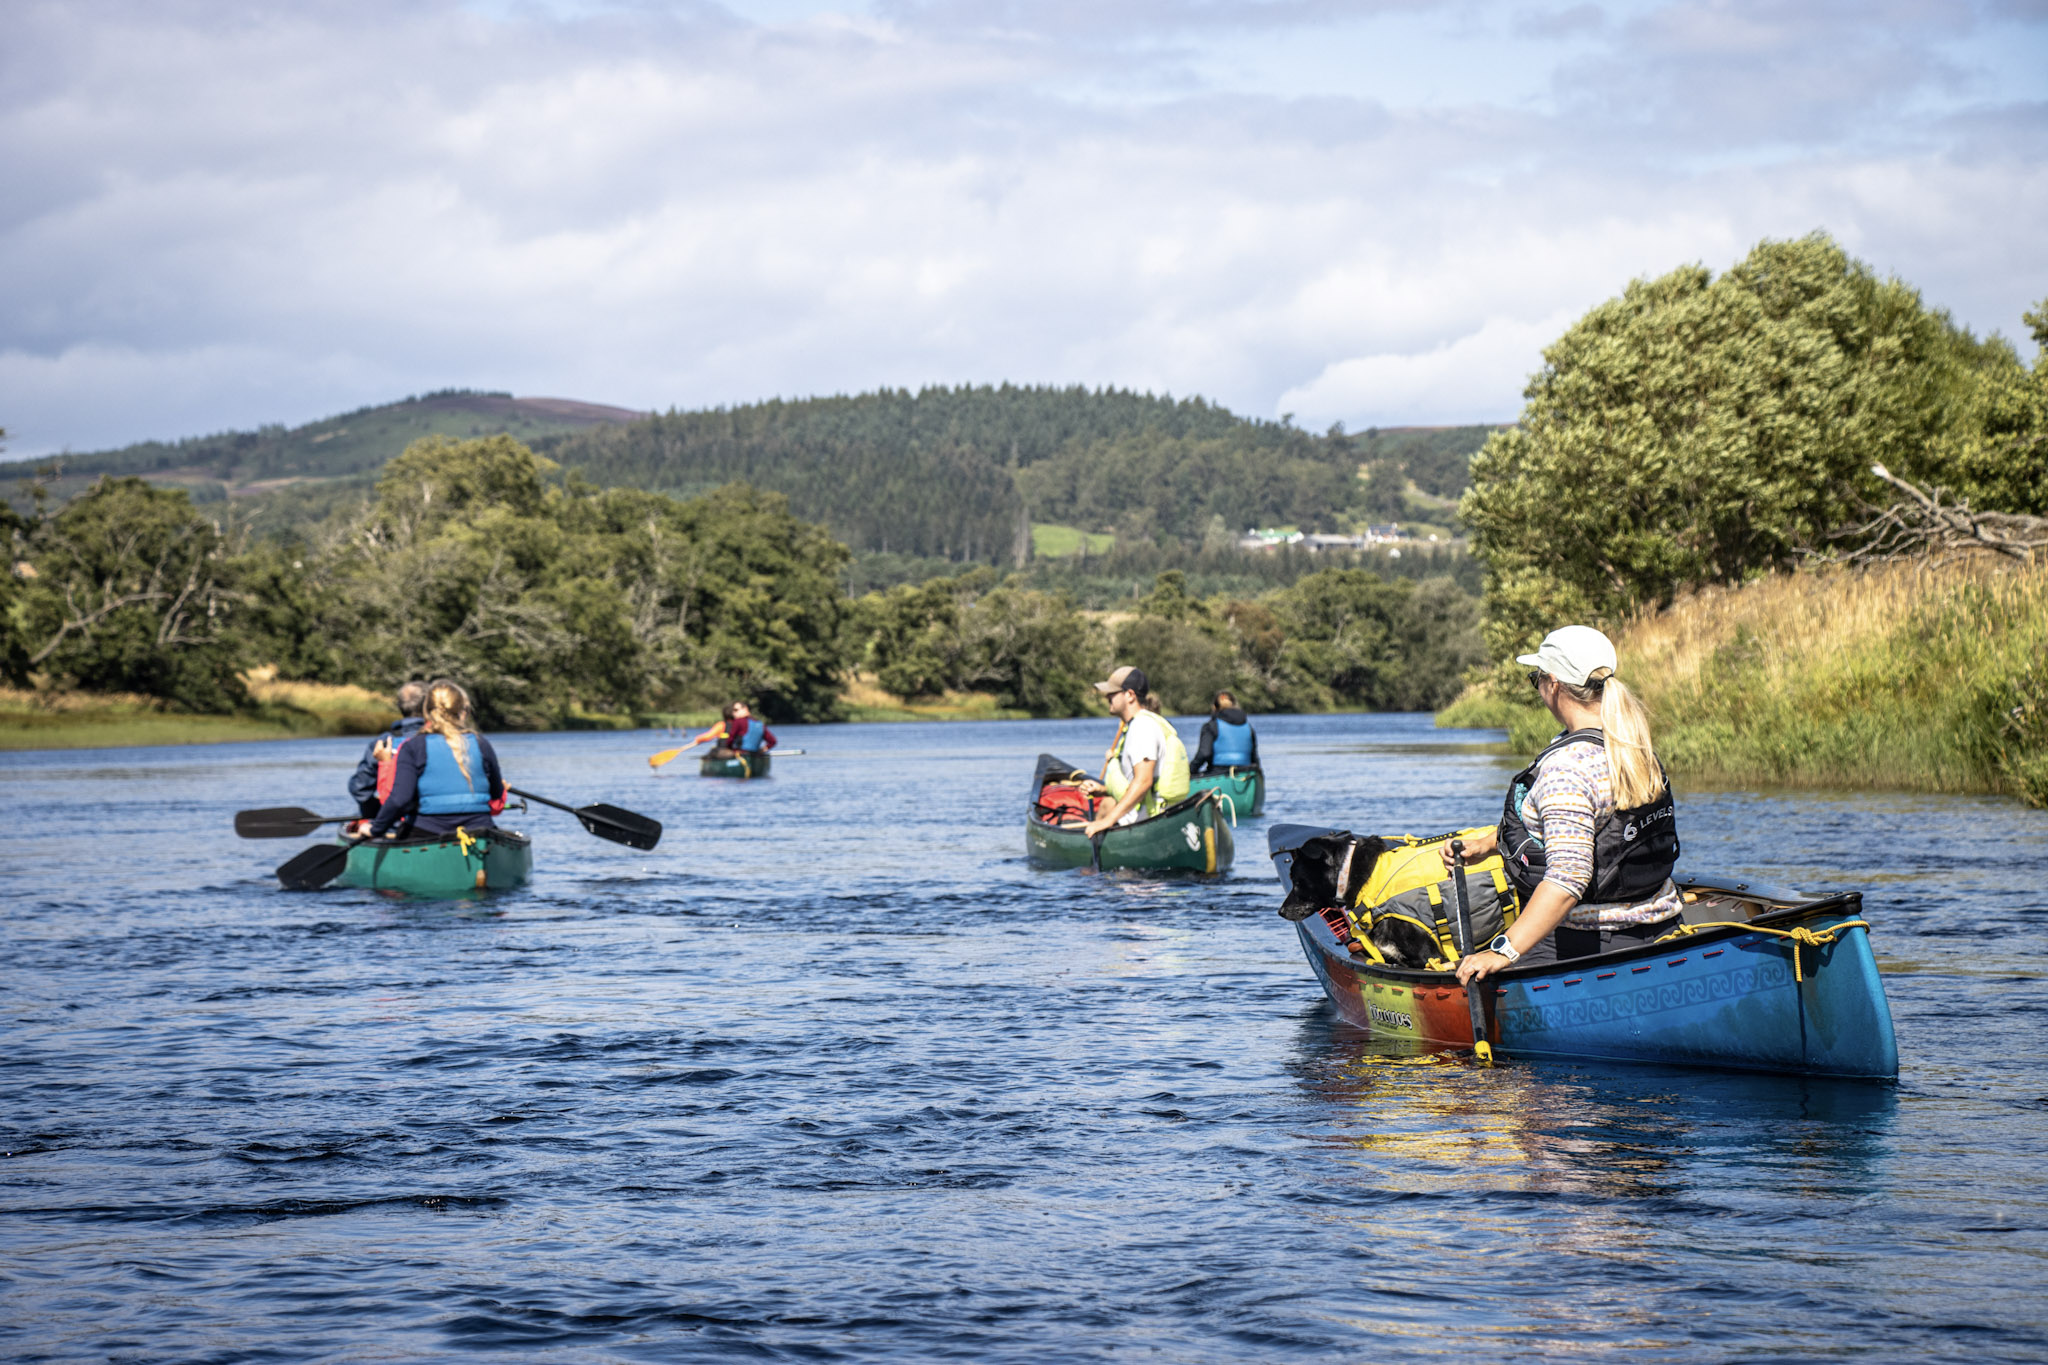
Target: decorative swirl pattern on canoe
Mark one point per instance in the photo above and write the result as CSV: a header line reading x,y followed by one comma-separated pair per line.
x,y
1766,974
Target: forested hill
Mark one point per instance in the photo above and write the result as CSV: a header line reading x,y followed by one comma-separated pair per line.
x,y
959,473
948,473
930,472
358,442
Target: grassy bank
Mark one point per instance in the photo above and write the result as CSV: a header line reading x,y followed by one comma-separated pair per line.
x,y
278,710
1910,676
287,710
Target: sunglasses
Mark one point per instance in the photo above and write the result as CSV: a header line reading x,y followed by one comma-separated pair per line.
x,y
1536,677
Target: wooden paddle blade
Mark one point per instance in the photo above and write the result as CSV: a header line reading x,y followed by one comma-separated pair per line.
x,y
663,757
620,826
279,822
314,868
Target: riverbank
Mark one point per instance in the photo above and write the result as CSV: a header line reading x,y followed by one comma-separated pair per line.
x,y
1915,676
98,720
289,710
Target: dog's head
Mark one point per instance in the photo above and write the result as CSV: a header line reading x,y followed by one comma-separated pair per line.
x,y
1328,871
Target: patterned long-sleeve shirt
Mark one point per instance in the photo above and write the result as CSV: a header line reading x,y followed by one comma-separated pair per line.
x,y
1574,792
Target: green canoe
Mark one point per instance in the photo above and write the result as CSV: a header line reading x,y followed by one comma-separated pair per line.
x,y
1245,788
739,765
441,866
1190,836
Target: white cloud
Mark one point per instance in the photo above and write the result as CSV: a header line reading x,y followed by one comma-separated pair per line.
x,y
219,216
1476,378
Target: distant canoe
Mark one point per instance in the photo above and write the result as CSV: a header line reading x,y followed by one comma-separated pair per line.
x,y
493,860
1245,788
1789,985
1190,836
754,764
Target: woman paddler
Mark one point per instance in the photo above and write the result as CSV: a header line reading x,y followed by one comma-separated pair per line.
x,y
447,774
1588,833
739,731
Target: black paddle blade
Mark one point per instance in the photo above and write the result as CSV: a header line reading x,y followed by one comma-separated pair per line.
x,y
281,822
620,826
314,868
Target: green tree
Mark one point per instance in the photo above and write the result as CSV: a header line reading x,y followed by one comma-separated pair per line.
x,y
1185,649
1355,639
1996,455
1698,430
133,591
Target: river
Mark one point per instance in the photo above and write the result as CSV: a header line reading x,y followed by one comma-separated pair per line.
x,y
833,1074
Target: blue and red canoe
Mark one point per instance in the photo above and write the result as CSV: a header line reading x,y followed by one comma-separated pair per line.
x,y
1762,979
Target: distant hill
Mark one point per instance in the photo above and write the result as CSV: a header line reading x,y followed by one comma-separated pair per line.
x,y
242,463
941,473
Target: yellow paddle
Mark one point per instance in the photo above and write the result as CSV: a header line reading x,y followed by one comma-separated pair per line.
x,y
664,756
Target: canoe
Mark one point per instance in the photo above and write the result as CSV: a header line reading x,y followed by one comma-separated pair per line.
x,y
1767,980
441,866
1192,835
739,765
1244,789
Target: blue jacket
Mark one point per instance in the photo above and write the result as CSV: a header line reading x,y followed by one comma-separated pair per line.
x,y
363,785
1222,736
428,778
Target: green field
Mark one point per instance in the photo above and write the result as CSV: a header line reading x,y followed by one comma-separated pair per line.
x,y
1049,541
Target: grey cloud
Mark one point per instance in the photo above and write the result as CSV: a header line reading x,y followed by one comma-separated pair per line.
x,y
236,215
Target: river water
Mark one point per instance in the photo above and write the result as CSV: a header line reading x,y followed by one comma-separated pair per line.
x,y
834,1075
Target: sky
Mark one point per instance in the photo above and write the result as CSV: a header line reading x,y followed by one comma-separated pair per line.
x,y
221,213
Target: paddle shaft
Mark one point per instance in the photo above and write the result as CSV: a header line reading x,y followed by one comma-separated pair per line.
x,y
1473,998
606,822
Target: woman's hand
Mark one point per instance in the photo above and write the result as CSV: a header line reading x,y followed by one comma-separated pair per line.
x,y
1479,847
1479,966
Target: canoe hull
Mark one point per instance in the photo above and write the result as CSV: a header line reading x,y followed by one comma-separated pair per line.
x,y
1245,788
1726,998
1193,836
742,766
497,860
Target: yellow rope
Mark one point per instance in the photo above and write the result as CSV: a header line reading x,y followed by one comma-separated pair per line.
x,y
463,840
1801,936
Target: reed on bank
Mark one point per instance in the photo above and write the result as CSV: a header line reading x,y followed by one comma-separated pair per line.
x,y
1912,675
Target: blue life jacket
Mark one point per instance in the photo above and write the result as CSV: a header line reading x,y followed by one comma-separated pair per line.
x,y
442,788
750,738
1233,745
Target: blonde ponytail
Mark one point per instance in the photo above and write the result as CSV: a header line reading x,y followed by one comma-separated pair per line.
x,y
1631,762
447,715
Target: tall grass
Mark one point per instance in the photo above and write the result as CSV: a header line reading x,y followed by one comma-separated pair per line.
x,y
1917,675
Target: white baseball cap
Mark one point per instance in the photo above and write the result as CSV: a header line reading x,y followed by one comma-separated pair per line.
x,y
1572,654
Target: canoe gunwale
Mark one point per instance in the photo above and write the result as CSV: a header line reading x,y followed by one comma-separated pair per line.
x,y
1849,902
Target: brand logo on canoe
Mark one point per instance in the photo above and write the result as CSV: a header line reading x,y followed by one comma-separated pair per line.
x,y
1194,836
1379,1014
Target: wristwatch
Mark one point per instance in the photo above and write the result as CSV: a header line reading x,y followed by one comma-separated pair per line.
x,y
1506,949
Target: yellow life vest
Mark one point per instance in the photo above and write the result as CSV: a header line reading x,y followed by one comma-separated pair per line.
x,y
1412,880
1169,780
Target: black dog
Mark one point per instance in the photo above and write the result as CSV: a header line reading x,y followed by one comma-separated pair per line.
x,y
1403,943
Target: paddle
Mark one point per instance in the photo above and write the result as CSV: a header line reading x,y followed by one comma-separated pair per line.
x,y
315,867
1480,1045
282,822
668,755
607,822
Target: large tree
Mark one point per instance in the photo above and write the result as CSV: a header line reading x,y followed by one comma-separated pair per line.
x,y
1700,429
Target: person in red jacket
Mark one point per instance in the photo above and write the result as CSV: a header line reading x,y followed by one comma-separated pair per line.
x,y
739,732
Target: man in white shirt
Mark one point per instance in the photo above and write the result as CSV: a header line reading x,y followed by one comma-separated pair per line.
x,y
1144,742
